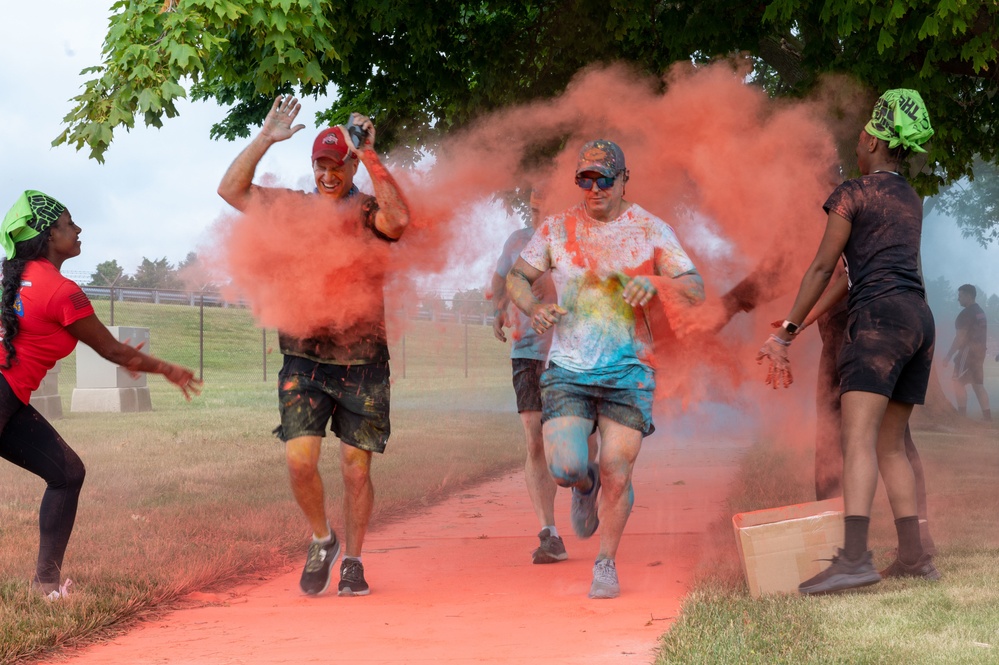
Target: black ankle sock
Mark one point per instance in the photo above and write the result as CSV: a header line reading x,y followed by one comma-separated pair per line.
x,y
855,536
910,547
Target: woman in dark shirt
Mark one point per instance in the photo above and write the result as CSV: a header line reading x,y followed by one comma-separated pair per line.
x,y
874,223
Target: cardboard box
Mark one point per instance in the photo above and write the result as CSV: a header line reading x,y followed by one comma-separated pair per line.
x,y
782,547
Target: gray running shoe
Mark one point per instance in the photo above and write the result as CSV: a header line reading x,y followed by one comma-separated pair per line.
x,y
352,579
322,556
923,568
551,549
605,580
843,574
584,506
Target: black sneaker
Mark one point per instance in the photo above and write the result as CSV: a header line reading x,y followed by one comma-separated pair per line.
x,y
842,574
352,579
322,556
923,568
583,511
551,549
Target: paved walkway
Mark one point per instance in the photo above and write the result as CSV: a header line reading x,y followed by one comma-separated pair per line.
x,y
454,584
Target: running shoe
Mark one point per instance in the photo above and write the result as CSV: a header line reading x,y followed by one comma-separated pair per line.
x,y
322,556
605,580
584,506
53,591
923,568
842,574
551,549
352,579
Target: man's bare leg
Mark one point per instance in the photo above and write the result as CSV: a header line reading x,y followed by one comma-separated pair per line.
x,y
302,455
619,447
541,486
961,397
358,496
358,501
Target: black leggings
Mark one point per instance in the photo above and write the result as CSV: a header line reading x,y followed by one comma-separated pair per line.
x,y
29,441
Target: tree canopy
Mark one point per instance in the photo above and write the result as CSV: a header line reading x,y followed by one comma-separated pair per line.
x,y
423,67
158,274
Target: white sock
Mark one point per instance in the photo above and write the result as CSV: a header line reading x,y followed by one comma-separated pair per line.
x,y
317,539
355,558
552,531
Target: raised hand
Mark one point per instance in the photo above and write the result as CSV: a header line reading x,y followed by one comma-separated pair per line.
x,y
278,123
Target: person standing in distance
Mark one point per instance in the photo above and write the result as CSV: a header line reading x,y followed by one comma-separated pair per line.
x,y
968,352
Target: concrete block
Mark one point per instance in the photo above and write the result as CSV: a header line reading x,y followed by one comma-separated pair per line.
x,y
46,399
111,400
92,371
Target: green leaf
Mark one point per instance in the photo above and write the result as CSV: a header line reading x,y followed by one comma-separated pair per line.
x,y
314,73
930,28
885,40
279,20
148,101
171,89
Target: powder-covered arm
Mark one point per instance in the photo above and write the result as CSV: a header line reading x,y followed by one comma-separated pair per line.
x,y
392,217
518,288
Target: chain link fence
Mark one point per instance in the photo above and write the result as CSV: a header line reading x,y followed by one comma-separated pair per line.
x,y
222,342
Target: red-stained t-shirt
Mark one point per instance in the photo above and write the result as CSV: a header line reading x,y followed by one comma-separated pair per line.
x,y
47,302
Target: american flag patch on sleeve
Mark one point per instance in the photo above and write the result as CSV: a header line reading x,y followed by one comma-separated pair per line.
x,y
79,300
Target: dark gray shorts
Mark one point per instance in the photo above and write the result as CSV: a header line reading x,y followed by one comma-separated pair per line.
x,y
354,399
526,383
568,393
888,349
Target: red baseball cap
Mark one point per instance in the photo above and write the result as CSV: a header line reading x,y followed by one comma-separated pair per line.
x,y
334,144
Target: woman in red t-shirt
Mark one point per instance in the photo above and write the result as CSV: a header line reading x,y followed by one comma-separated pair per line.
x,y
42,315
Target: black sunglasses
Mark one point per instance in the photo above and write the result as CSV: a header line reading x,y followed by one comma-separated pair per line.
x,y
603,182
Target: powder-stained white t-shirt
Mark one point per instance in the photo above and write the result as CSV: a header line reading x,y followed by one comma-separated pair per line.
x,y
590,262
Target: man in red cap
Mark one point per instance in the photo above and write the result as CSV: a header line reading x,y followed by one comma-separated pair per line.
x,y
332,376
608,258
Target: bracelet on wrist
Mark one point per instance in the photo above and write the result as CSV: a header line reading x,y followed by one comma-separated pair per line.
x,y
780,341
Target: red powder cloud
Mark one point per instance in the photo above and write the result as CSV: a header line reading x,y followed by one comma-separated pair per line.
x,y
741,178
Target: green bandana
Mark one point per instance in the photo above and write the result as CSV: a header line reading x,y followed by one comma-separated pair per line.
x,y
900,118
30,215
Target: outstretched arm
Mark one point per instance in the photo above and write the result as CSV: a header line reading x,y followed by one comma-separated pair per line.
x,y
92,332
237,184
393,211
813,284
832,295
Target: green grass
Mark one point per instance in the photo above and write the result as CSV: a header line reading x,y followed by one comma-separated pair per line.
x,y
195,496
955,620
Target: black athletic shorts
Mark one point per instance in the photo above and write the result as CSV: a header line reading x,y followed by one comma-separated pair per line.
x,y
354,399
526,383
888,348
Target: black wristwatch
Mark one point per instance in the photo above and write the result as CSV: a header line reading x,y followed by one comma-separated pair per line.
x,y
791,328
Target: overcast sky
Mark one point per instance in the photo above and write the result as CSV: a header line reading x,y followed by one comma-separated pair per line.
x,y
155,195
